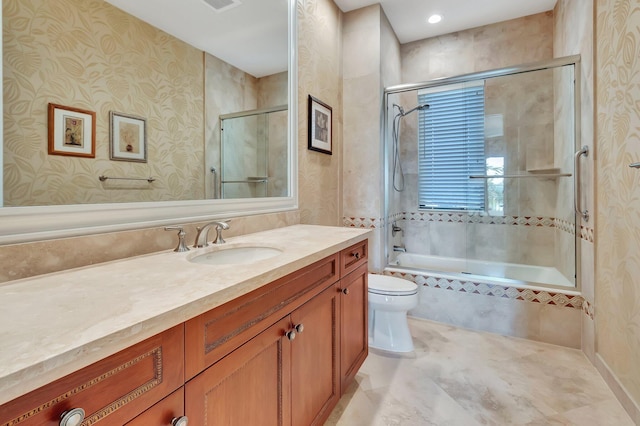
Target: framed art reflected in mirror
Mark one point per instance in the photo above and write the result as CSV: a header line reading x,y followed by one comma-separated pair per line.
x,y
72,131
127,137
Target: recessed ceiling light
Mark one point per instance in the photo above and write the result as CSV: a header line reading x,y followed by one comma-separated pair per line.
x,y
434,19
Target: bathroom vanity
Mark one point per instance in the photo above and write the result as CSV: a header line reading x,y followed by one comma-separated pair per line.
x,y
272,341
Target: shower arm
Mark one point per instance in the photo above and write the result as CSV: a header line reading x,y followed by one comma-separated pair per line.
x,y
576,193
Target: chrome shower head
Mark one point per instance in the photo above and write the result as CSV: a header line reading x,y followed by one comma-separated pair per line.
x,y
418,108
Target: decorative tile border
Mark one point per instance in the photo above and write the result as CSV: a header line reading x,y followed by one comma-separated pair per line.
x,y
480,218
475,287
362,222
588,309
586,234
565,226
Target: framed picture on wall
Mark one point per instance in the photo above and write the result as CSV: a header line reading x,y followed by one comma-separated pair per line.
x,y
72,131
320,126
127,137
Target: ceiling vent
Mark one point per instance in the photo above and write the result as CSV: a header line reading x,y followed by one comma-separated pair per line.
x,y
222,5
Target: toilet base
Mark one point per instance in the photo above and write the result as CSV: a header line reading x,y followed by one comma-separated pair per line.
x,y
389,331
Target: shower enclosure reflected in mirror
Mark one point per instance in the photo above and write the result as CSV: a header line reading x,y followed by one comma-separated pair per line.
x,y
481,176
254,153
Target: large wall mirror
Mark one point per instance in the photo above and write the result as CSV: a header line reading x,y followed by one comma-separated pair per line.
x,y
121,114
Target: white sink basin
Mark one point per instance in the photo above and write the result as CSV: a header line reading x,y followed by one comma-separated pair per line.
x,y
236,255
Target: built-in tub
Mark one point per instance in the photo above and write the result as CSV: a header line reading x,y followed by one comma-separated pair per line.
x,y
485,271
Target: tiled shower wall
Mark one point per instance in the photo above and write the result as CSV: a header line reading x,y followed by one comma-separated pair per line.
x,y
229,90
524,40
525,104
574,33
371,60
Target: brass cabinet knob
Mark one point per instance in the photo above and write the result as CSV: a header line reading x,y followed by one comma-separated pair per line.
x,y
73,417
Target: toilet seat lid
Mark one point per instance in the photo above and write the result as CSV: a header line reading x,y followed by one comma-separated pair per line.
x,y
391,286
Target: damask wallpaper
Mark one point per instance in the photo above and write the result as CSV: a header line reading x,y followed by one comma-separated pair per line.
x,y
617,292
88,54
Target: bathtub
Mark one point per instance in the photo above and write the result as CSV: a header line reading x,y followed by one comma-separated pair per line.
x,y
485,271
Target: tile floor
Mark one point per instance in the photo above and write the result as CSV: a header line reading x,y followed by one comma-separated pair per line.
x,y
463,377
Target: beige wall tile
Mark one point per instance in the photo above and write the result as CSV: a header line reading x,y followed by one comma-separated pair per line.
x,y
535,321
30,259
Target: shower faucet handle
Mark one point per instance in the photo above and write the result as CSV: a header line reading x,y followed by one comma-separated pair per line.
x,y
395,229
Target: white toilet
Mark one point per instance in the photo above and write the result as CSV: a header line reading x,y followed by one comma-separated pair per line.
x,y
389,300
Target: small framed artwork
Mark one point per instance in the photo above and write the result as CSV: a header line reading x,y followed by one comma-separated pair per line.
x,y
320,126
72,131
127,137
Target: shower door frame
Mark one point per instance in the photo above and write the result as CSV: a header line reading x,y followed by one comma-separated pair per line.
x,y
465,78
219,184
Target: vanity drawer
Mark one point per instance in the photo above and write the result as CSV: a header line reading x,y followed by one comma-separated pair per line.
x,y
212,335
111,391
351,258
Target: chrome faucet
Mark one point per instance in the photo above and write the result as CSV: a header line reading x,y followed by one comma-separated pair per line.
x,y
203,232
395,229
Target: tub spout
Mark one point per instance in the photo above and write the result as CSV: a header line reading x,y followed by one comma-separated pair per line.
x,y
400,249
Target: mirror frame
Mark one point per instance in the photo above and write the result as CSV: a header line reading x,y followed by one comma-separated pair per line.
x,y
25,224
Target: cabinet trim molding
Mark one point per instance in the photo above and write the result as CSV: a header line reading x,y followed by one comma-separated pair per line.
x,y
156,353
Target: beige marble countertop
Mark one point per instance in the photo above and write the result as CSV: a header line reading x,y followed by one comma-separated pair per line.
x,y
55,324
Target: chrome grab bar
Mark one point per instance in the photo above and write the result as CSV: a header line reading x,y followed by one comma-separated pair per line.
x,y
635,165
576,193
103,178
540,175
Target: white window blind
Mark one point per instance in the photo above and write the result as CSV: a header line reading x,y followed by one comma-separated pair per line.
x,y
451,148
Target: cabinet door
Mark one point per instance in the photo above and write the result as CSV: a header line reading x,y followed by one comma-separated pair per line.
x,y
315,382
354,336
250,386
163,413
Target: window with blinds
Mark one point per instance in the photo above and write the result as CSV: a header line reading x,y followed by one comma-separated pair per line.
x,y
451,148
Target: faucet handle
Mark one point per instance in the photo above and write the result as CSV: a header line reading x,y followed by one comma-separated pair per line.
x,y
181,234
220,226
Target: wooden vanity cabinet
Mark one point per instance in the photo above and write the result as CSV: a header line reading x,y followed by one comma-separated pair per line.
x,y
248,369
251,386
354,318
163,413
282,354
111,391
315,359
261,372
213,335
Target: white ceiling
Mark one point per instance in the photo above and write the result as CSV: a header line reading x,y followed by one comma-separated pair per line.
x,y
253,35
409,17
